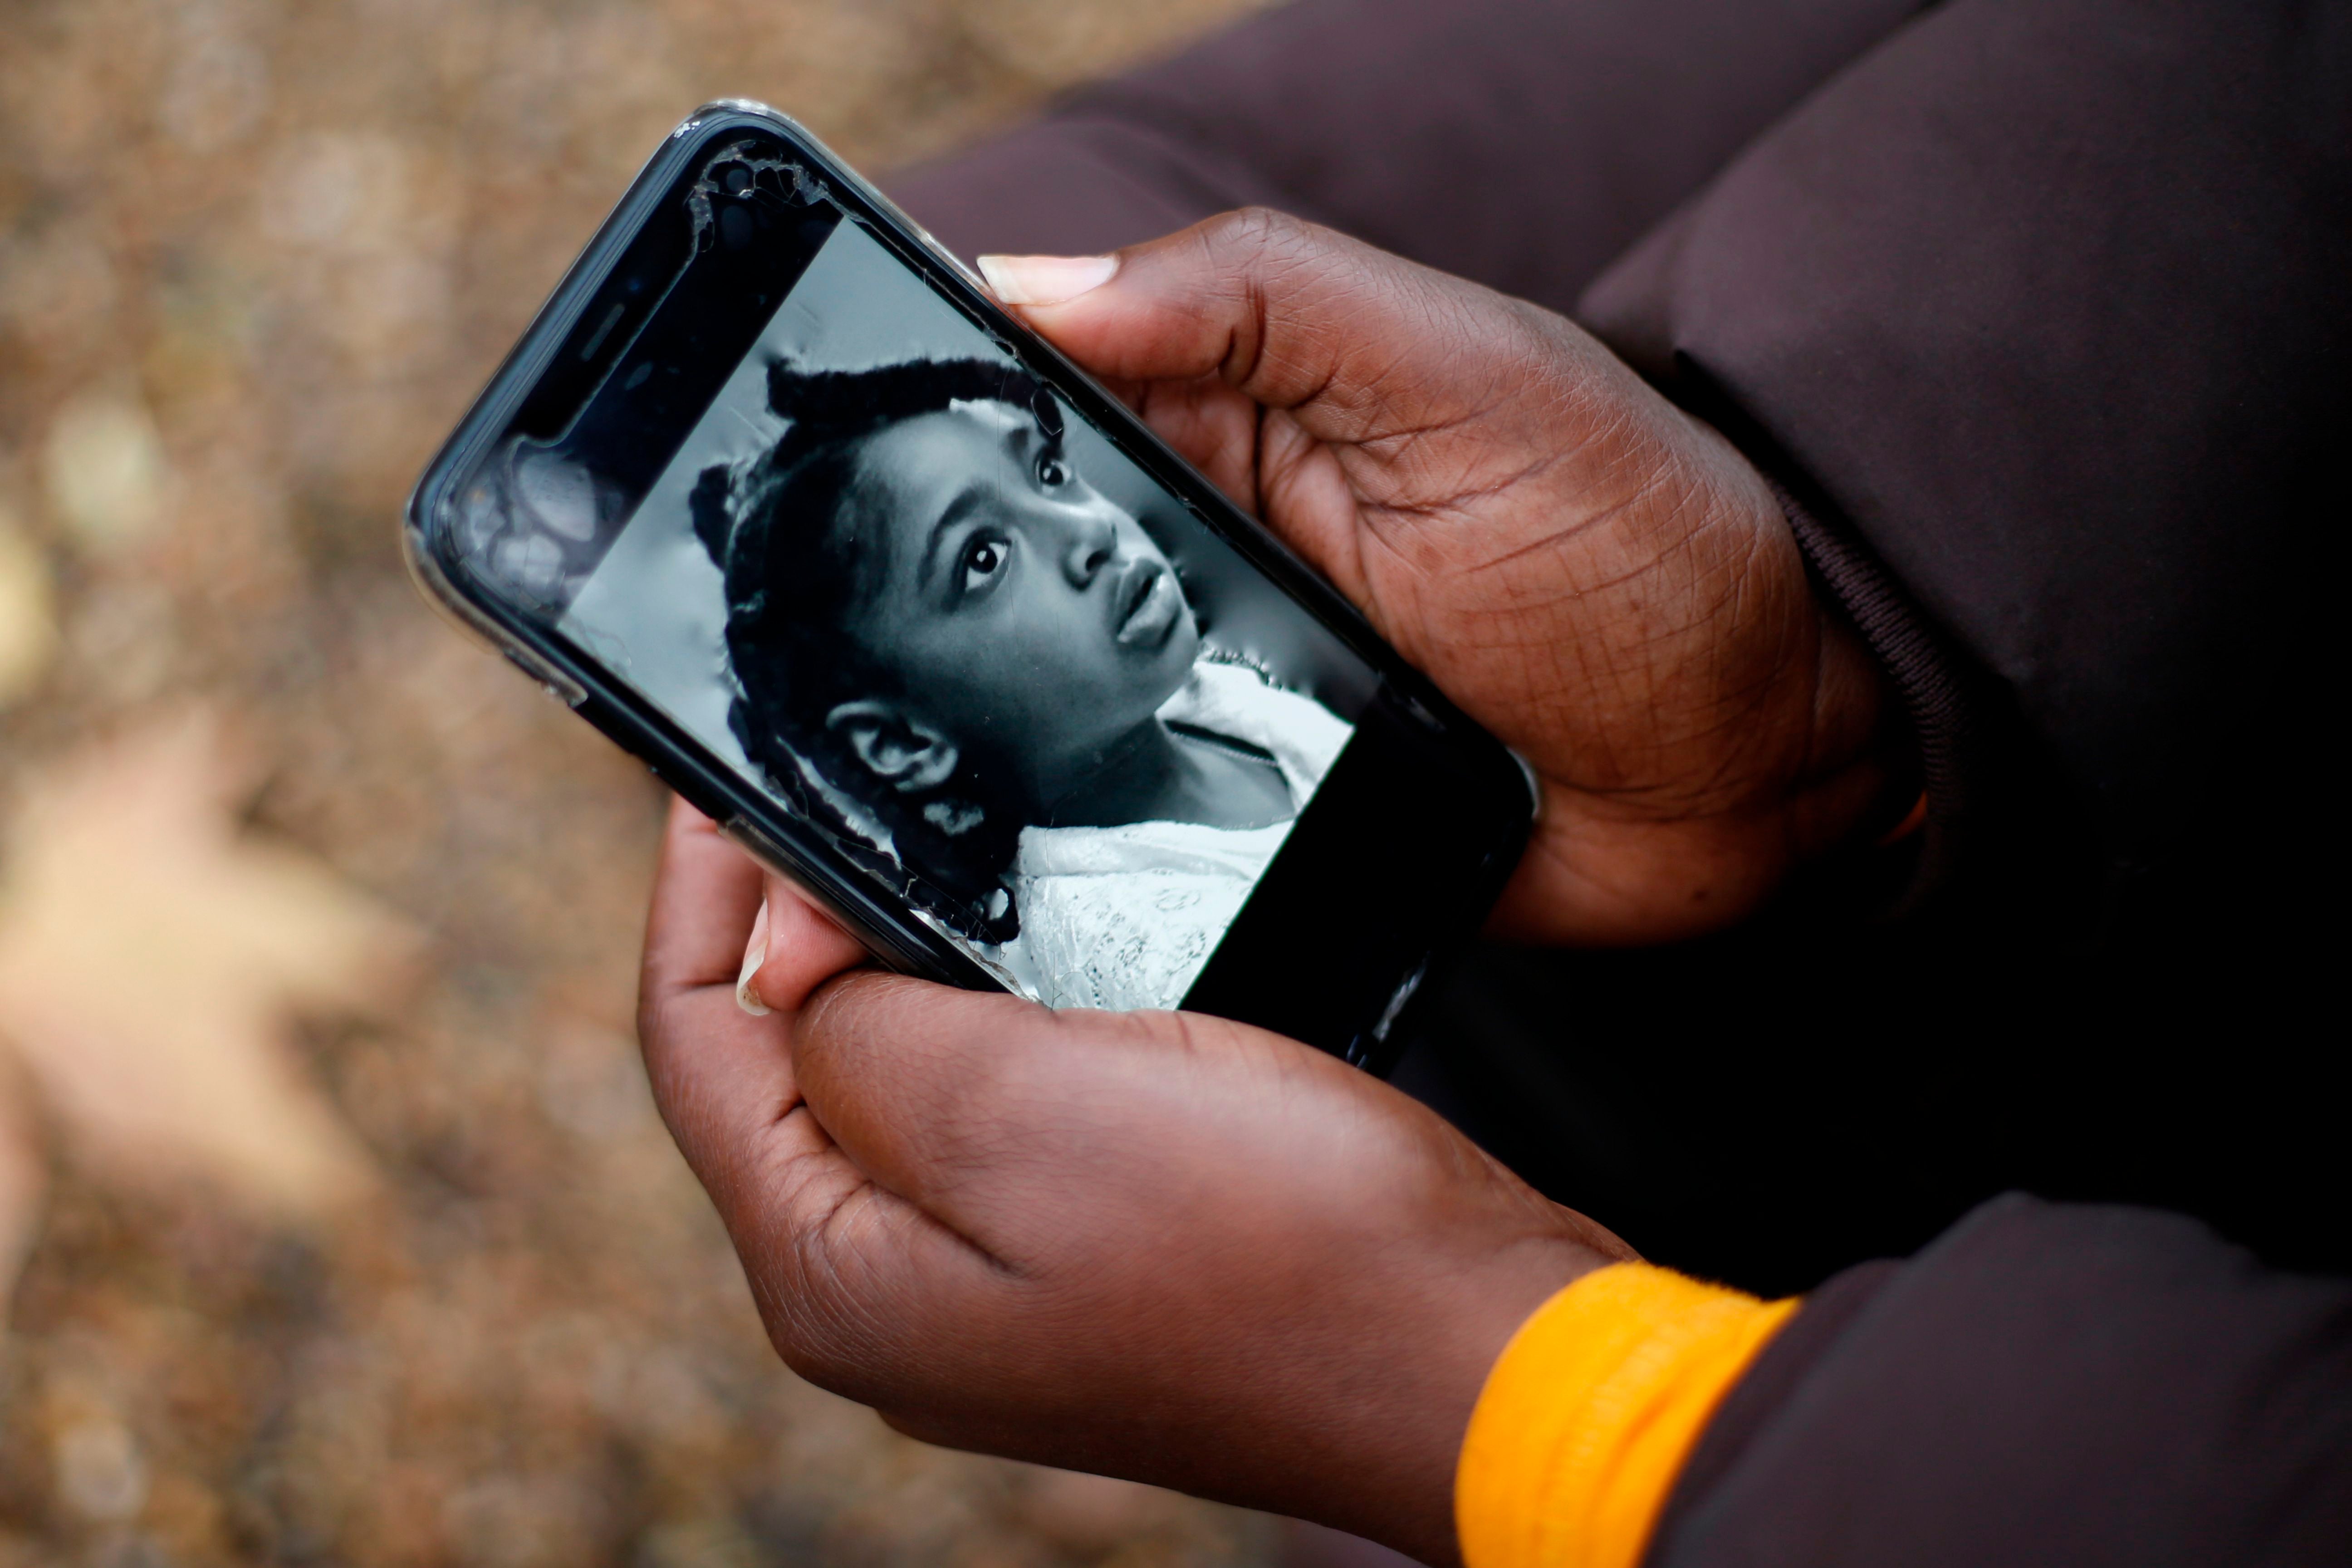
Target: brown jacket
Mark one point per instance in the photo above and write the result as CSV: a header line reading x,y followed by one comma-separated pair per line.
x,y
2038,310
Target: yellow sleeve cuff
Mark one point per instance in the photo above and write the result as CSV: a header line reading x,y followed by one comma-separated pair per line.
x,y
1587,1417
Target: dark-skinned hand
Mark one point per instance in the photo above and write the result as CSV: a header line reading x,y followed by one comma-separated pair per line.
x,y
1151,1245
1596,576
1186,1251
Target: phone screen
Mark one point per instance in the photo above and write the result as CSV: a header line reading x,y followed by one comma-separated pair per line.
x,y
836,530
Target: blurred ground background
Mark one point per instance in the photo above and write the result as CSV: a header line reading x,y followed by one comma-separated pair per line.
x,y
335,1224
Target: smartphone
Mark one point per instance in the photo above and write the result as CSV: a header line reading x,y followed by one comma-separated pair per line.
x,y
775,495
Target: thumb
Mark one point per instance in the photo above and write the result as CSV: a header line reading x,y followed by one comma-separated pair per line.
x,y
1354,343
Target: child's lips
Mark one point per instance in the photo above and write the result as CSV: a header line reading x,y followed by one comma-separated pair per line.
x,y
1146,602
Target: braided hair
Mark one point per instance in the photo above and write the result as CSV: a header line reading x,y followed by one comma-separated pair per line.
x,y
782,531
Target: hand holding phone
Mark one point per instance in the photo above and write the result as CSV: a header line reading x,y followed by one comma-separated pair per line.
x,y
1158,1245
1594,575
1314,1314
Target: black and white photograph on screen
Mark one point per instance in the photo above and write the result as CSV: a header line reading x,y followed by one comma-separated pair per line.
x,y
961,633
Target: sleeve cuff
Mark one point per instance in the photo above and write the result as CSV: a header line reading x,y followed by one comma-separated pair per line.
x,y
1586,1419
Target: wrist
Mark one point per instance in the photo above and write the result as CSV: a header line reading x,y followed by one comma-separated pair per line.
x,y
1409,1502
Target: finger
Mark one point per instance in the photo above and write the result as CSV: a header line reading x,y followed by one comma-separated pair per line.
x,y
1210,427
951,1099
856,1278
827,1248
1209,424
1390,394
719,1075
705,894
1305,494
1291,314
901,1072
802,950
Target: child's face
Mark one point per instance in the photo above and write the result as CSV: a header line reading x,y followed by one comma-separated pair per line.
x,y
1029,618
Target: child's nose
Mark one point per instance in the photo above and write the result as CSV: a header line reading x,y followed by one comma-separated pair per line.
x,y
1094,540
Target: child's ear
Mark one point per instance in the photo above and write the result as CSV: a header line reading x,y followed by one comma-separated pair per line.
x,y
896,748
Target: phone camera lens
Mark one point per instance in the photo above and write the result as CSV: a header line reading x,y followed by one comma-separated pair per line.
x,y
735,179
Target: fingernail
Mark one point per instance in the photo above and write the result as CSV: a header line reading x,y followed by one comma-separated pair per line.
x,y
1046,279
755,953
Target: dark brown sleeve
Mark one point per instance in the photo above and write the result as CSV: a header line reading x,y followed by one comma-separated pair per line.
x,y
2043,305
2047,1384
2037,310
1522,143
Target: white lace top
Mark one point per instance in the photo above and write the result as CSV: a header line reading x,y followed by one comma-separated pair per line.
x,y
1123,918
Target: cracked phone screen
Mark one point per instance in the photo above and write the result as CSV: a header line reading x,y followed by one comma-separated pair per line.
x,y
898,581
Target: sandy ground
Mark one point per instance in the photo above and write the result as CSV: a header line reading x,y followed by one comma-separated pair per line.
x,y
335,1224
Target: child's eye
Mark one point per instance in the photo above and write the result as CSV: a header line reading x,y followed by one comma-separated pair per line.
x,y
983,560
1052,472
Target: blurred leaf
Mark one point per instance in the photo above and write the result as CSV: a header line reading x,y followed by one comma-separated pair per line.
x,y
151,958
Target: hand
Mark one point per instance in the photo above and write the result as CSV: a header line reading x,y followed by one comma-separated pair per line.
x,y
1152,1244
1593,574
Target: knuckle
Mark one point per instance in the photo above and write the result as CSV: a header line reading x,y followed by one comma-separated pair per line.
x,y
1259,229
